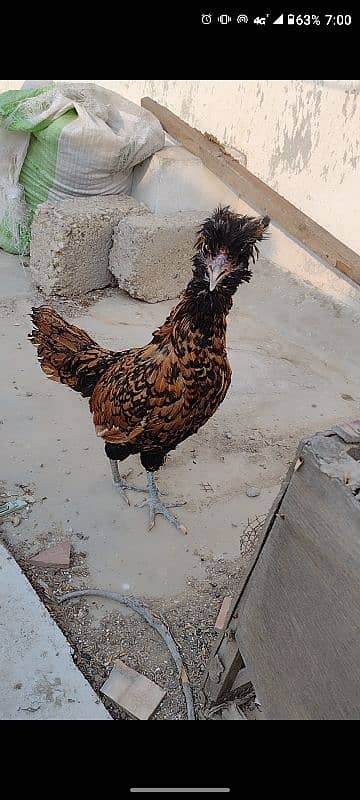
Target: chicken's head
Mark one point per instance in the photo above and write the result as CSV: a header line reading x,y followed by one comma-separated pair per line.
x,y
226,242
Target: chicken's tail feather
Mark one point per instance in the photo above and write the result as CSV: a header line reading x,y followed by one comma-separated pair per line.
x,y
66,353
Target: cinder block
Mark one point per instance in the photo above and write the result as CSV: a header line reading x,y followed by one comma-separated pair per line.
x,y
152,255
71,241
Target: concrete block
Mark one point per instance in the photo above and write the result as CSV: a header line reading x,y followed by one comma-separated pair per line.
x,y
173,179
71,240
152,255
134,693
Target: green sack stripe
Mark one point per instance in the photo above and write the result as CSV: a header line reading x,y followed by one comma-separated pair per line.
x,y
39,168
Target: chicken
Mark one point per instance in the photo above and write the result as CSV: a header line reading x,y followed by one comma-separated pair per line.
x,y
148,400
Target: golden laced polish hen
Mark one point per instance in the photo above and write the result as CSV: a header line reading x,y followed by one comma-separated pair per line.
x,y
149,399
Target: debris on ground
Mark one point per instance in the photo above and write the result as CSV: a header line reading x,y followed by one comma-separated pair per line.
x,y
225,711
250,535
99,636
55,557
224,610
206,487
134,693
253,491
159,626
10,507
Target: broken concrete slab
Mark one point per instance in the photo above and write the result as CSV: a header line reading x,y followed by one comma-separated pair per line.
x,y
56,557
134,693
224,610
38,678
71,241
152,254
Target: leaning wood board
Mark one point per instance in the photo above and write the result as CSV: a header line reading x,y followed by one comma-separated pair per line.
x,y
226,665
258,194
297,617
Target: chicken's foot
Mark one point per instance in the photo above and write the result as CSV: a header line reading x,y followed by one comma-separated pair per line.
x,y
121,484
157,507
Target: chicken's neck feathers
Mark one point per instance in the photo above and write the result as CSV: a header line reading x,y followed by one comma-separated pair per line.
x,y
197,313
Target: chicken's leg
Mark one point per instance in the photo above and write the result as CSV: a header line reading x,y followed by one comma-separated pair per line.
x,y
121,484
157,507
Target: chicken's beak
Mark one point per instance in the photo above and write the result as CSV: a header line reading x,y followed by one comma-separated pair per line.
x,y
216,269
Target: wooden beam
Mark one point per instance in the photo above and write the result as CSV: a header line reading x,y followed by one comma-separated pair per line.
x,y
258,194
218,682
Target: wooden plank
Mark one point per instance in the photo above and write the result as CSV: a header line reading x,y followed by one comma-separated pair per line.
x,y
223,669
225,646
300,611
223,613
258,194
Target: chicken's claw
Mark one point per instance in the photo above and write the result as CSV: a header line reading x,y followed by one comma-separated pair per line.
x,y
157,507
121,486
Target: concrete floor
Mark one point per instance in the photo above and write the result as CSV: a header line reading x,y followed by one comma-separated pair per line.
x,y
294,362
38,679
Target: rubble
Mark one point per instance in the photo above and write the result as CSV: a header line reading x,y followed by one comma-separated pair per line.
x,y
253,491
57,556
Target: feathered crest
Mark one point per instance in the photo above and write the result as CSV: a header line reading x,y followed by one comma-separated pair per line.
x,y
232,233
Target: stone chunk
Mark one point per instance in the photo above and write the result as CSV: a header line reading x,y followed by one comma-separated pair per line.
x,y
57,556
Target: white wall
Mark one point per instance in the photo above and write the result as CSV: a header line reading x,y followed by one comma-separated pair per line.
x,y
300,137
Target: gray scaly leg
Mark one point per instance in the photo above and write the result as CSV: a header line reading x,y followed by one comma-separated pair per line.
x,y
157,507
121,484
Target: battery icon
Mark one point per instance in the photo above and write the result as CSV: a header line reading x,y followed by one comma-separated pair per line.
x,y
291,19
